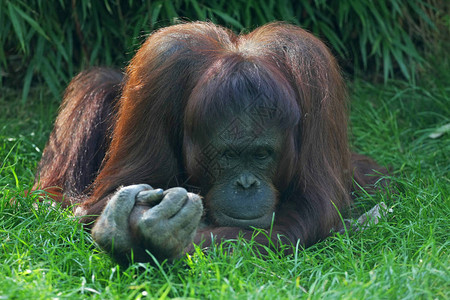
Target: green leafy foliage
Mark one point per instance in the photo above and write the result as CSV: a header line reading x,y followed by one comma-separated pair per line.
x,y
49,41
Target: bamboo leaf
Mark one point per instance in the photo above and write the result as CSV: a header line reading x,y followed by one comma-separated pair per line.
x,y
200,12
387,62
170,10
334,40
17,25
228,19
50,77
27,83
155,13
32,22
398,56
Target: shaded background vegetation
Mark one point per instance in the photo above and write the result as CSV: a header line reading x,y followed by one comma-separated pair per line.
x,y
47,42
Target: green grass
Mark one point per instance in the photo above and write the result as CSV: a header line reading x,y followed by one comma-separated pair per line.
x,y
45,253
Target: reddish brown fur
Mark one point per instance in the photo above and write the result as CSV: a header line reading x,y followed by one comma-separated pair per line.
x,y
162,83
79,140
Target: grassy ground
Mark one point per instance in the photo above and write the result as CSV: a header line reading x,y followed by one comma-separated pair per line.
x,y
45,254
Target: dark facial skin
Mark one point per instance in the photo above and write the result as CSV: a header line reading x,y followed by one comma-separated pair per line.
x,y
239,187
